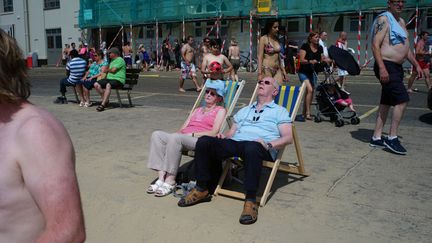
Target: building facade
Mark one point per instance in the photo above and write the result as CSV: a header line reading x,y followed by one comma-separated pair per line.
x,y
45,26
41,26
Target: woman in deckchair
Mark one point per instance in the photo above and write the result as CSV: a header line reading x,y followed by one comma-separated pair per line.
x,y
166,148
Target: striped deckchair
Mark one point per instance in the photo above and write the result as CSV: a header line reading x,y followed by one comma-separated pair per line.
x,y
289,97
233,91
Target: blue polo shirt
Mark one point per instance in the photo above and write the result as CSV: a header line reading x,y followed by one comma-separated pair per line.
x,y
253,125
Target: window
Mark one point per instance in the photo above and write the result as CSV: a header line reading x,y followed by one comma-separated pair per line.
x,y
223,28
198,31
7,5
141,33
354,23
339,26
51,4
293,26
54,39
429,19
150,33
411,25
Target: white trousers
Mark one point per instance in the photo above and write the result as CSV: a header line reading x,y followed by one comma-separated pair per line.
x,y
166,148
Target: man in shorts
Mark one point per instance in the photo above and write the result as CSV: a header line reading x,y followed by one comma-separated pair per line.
x,y
234,58
390,46
422,54
127,54
116,77
187,67
39,193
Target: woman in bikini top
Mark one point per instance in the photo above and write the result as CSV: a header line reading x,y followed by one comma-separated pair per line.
x,y
269,61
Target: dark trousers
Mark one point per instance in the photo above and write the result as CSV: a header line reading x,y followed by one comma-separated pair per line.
x,y
211,151
63,84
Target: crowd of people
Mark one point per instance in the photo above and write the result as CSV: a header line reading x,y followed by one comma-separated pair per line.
x,y
38,177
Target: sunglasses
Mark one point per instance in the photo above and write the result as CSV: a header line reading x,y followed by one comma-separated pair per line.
x,y
266,82
257,115
211,92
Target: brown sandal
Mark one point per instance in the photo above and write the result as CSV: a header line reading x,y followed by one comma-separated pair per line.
x,y
194,197
250,213
100,108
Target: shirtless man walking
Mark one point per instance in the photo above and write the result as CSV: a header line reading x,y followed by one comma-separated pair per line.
x,y
127,54
421,53
215,58
187,67
204,50
39,195
234,58
390,51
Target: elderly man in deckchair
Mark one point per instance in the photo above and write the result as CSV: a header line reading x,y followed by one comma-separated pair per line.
x,y
258,131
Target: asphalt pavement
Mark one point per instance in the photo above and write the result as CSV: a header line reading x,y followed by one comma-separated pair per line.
x,y
354,193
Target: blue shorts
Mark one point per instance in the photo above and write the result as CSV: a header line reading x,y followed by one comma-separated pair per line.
x,y
311,77
393,92
88,83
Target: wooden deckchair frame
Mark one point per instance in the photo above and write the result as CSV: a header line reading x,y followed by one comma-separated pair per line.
x,y
278,164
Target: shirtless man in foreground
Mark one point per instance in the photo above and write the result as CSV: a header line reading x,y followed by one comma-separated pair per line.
x,y
389,56
234,58
187,67
215,56
39,195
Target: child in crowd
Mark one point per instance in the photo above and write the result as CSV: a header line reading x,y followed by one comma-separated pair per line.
x,y
340,97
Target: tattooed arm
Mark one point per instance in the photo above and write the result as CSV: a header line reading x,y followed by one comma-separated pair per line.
x,y
381,27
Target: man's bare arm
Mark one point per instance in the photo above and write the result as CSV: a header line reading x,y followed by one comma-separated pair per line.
x,y
285,131
228,63
47,162
380,29
183,53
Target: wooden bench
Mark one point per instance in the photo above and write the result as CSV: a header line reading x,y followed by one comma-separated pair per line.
x,y
132,75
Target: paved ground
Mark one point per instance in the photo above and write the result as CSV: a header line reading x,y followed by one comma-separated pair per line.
x,y
354,194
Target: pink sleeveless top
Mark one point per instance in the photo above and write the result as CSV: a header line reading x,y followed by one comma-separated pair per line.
x,y
201,121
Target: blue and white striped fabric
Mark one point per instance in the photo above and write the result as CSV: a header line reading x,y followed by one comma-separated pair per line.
x,y
77,68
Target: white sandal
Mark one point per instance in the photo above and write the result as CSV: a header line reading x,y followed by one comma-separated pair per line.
x,y
165,189
154,187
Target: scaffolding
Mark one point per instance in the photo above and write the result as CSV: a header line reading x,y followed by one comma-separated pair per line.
x,y
109,13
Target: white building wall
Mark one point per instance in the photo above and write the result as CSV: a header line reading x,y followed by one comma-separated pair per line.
x,y
17,20
65,18
37,28
30,27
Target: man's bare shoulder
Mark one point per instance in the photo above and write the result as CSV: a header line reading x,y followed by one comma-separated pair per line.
x,y
380,28
32,121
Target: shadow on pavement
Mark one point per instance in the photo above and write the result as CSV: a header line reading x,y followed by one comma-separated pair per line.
x,y
363,135
426,118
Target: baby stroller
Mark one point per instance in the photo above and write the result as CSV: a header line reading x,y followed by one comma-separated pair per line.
x,y
329,93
